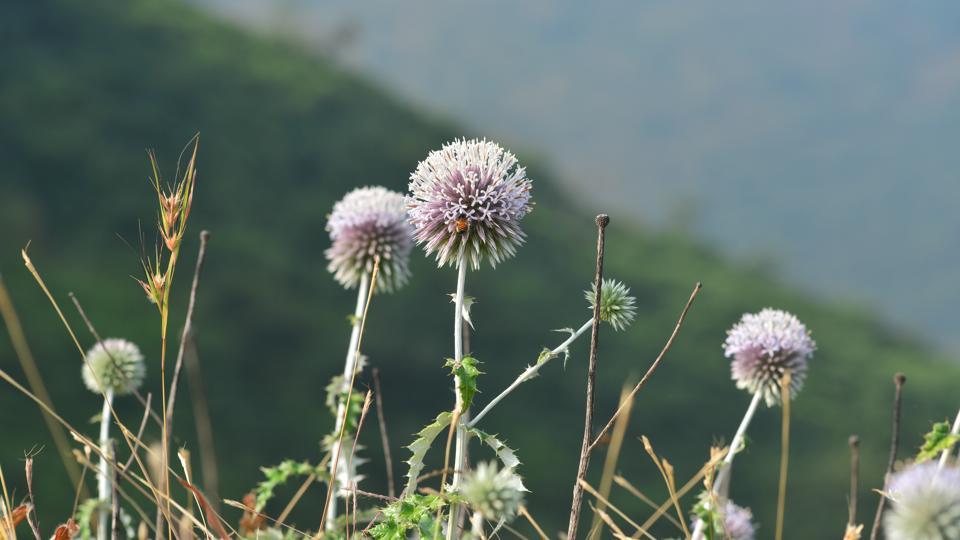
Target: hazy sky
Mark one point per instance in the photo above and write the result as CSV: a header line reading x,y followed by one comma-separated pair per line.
x,y
820,135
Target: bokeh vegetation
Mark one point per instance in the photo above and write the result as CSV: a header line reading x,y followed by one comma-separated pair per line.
x,y
85,87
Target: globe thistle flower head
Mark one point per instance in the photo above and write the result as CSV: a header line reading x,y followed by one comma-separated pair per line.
x,y
925,504
366,223
467,199
737,522
617,306
763,346
494,494
117,364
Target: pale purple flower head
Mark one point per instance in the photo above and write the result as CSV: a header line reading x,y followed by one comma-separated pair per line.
x,y
367,222
467,199
763,346
925,504
737,522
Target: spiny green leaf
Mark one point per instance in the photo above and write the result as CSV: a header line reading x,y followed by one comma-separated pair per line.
x,y
278,475
420,446
411,512
936,441
467,372
505,454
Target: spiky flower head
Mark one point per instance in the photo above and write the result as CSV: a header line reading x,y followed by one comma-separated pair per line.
x,y
467,199
926,504
365,223
494,494
115,363
737,522
617,306
763,346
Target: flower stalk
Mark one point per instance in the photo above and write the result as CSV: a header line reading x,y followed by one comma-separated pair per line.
x,y
462,416
721,486
349,366
104,489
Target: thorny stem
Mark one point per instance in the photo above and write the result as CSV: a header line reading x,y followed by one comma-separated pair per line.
x,y
898,380
602,221
348,367
532,371
461,436
945,455
721,485
104,490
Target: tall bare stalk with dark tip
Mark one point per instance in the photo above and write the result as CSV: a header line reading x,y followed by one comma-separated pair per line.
x,y
602,221
898,380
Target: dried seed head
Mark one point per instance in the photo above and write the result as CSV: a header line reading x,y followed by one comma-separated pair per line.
x,y
468,199
763,346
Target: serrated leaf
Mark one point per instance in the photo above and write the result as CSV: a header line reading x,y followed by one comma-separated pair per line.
x,y
936,441
419,448
409,513
505,454
466,372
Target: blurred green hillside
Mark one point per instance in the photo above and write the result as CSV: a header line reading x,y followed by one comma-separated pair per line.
x,y
85,87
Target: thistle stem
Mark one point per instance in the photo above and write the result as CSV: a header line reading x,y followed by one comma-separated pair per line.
x,y
532,371
348,368
104,490
722,483
945,455
461,435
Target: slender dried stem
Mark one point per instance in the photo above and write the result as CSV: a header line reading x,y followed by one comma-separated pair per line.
x,y
335,459
854,442
96,335
784,452
656,363
898,380
384,438
721,485
602,221
187,329
37,386
611,459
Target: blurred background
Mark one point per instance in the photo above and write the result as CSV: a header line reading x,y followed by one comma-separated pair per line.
x,y
798,156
